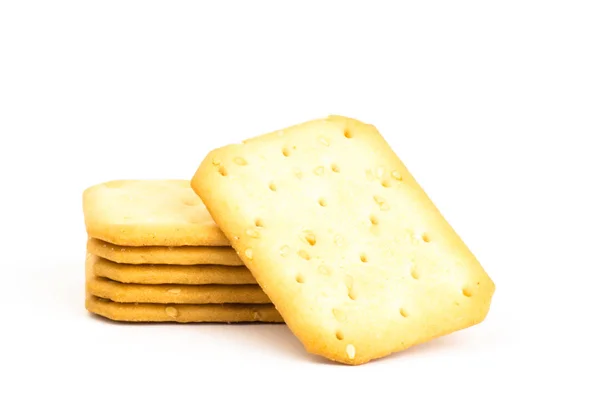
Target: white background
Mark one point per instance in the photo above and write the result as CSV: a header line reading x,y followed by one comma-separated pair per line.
x,y
493,106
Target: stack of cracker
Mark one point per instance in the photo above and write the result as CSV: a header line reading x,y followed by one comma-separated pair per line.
x,y
154,254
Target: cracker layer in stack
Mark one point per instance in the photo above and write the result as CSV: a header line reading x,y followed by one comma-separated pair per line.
x,y
154,254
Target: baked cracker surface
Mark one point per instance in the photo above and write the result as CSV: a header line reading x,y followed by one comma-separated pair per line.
x,y
149,213
350,249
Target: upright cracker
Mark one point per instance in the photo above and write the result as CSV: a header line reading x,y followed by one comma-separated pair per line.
x,y
337,232
224,256
149,213
170,274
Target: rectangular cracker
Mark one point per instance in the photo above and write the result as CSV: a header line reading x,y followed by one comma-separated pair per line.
x,y
350,249
169,274
153,312
175,293
224,256
169,293
149,213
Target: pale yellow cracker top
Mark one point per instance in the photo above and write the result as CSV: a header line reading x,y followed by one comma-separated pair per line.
x,y
149,213
350,249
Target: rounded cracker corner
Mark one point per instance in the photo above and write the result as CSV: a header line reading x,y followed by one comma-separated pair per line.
x,y
92,188
354,123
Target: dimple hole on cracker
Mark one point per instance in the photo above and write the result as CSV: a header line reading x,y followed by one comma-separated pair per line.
x,y
396,175
222,171
386,183
322,202
348,133
335,168
286,152
299,278
383,205
363,258
352,295
468,292
273,187
403,312
259,222
339,335
304,255
414,273
374,220
310,238
425,237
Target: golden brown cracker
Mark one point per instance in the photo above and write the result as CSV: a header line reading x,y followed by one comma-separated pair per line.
x,y
175,293
149,213
154,312
350,249
187,255
169,274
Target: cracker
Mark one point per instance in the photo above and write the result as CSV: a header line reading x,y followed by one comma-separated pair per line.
x,y
337,232
175,293
149,213
224,256
169,293
153,312
166,274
